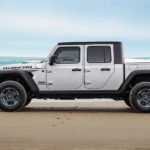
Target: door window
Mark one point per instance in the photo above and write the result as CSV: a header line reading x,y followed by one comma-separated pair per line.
x,y
99,54
67,55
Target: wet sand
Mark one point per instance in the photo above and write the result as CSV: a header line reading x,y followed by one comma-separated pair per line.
x,y
74,126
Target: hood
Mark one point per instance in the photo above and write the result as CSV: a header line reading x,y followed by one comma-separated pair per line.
x,y
23,66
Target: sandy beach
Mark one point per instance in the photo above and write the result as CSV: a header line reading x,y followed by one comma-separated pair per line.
x,y
74,126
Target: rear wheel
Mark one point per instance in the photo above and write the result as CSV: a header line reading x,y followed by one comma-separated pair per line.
x,y
140,97
12,96
127,102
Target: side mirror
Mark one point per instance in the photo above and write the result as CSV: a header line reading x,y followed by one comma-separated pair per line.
x,y
52,60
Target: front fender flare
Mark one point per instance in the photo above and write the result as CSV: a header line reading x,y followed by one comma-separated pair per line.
x,y
24,75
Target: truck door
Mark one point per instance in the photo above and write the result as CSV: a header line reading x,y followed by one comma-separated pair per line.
x,y
99,65
67,73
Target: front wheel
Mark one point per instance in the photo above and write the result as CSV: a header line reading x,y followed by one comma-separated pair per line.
x,y
140,97
12,96
28,101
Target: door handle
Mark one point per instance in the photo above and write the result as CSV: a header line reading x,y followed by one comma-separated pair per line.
x,y
105,69
76,69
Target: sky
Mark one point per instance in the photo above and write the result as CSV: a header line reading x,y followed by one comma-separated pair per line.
x,y
34,27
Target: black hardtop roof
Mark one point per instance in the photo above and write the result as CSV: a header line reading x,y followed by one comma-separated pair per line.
x,y
118,52
84,43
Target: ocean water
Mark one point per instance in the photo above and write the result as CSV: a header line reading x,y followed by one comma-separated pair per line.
x,y
17,60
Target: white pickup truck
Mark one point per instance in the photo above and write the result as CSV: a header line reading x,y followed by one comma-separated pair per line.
x,y
77,70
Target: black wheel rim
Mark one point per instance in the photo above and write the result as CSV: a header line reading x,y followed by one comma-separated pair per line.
x,y
143,98
10,97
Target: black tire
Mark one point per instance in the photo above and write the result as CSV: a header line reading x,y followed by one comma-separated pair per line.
x,y
127,102
140,97
28,101
13,96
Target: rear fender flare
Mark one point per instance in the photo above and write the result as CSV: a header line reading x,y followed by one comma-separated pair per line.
x,y
132,76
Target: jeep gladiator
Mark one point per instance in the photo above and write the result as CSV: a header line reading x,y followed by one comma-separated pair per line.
x,y
77,70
